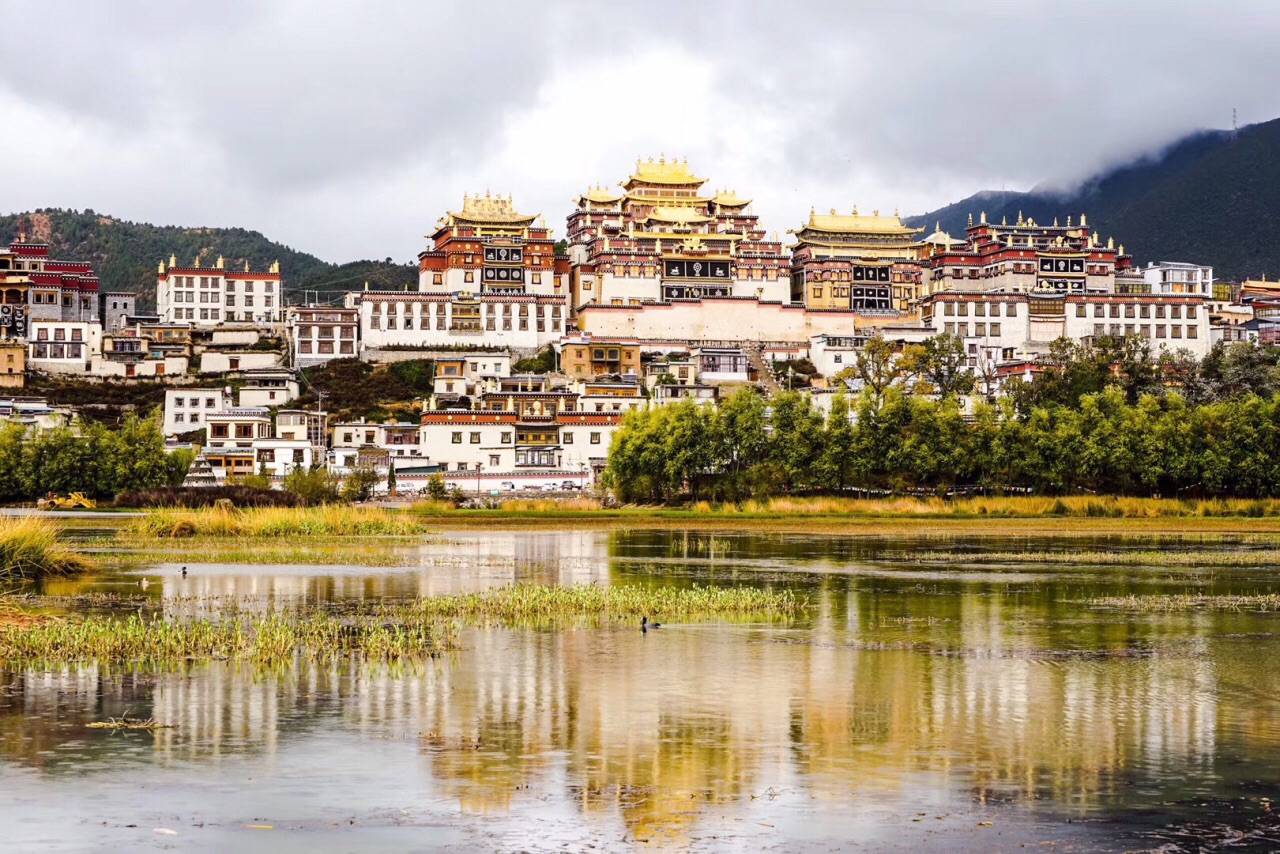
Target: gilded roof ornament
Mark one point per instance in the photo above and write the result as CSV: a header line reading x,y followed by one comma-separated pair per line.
x,y
1111,243
1004,220
275,267
197,264
982,218
1055,222
221,263
162,267
1020,218
970,219
173,260
246,265
1084,223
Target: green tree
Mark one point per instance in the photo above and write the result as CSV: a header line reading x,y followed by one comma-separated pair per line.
x,y
360,483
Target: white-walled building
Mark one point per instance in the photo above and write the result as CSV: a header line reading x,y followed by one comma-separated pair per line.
x,y
391,320
238,428
209,296
1001,327
63,346
238,361
320,333
1175,277
268,387
187,409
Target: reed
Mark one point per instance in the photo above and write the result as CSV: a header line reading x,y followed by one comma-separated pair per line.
x,y
29,549
531,601
1093,506
332,520
1257,557
1190,602
542,505
263,639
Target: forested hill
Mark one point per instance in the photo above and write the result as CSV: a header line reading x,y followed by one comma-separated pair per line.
x,y
125,254
1212,198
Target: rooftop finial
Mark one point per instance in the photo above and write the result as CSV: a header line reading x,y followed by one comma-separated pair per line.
x,y
970,220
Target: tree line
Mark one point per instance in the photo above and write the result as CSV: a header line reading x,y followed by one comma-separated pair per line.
x,y
1102,418
88,458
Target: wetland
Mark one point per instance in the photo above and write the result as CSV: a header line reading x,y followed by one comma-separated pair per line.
x,y
985,686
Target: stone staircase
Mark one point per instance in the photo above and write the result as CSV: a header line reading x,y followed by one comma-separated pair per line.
x,y
751,349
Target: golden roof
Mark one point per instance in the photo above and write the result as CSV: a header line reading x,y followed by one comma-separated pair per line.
x,y
664,172
855,224
601,194
676,215
489,210
730,199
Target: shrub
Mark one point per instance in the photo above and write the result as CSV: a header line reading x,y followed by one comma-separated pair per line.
x,y
240,495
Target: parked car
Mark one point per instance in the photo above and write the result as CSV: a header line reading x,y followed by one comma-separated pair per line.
x,y
569,485
508,486
549,487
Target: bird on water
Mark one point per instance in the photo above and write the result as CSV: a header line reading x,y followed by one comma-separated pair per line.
x,y
645,625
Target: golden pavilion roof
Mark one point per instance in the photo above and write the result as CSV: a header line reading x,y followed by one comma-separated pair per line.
x,y
602,194
855,224
730,199
677,215
665,172
490,210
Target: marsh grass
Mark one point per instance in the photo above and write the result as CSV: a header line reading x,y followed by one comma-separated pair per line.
x,y
1255,557
264,639
233,551
334,520
532,601
124,722
1180,602
1103,506
30,548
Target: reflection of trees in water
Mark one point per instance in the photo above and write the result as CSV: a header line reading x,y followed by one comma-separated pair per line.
x,y
999,690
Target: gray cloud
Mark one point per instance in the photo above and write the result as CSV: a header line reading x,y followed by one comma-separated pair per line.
x,y
345,129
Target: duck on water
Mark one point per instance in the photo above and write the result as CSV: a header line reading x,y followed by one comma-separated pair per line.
x,y
645,625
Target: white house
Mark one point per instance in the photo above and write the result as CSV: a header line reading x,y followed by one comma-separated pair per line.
x,y
187,409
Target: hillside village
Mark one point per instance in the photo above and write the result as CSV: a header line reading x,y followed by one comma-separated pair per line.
x,y
512,363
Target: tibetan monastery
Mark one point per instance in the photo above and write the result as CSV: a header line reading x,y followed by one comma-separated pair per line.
x,y
1028,257
33,286
867,264
662,238
491,276
490,247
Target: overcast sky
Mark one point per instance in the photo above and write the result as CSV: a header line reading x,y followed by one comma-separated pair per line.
x,y
347,129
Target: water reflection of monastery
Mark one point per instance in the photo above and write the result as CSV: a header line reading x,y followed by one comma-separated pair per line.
x,y
634,728
453,563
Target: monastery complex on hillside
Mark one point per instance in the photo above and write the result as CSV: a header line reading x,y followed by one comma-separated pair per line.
x,y
660,291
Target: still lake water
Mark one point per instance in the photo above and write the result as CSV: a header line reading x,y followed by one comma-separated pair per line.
x,y
940,705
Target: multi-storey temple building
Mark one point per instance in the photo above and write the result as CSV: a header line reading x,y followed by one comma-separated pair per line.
x,y
663,238
490,277
866,264
1027,257
34,286
209,296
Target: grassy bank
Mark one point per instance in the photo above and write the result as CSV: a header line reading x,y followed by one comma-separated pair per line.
x,y
261,639
29,548
337,520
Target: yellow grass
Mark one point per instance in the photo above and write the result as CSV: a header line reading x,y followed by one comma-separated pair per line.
x,y
29,548
336,520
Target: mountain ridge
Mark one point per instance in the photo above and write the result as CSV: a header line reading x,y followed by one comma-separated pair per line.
x,y
1211,197
125,254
